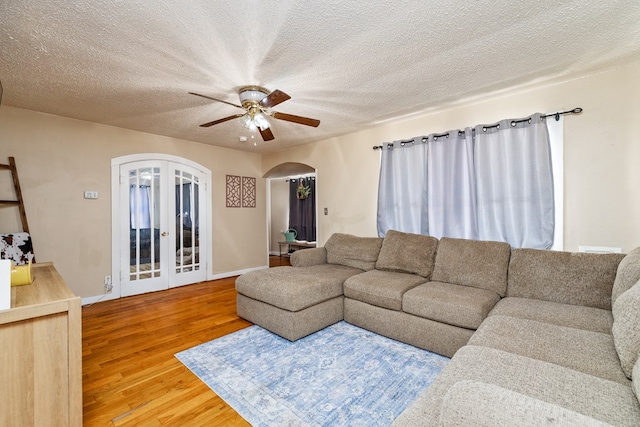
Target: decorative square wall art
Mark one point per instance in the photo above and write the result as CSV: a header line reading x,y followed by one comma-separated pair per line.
x,y
234,191
248,192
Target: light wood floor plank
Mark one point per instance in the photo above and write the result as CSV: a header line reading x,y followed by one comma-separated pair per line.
x,y
130,375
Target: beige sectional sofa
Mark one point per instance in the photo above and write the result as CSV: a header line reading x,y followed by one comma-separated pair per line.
x,y
536,337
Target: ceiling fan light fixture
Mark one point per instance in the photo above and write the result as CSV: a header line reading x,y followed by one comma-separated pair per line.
x,y
261,121
248,122
257,103
254,119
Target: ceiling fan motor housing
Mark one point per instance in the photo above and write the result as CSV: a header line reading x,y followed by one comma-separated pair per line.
x,y
252,95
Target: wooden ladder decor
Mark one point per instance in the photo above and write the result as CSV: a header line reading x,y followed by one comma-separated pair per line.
x,y
19,200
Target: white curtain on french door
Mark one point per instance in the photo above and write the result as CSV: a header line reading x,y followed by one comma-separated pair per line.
x,y
494,182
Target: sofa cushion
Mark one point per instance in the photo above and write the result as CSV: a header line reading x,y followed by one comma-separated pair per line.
x,y
627,275
574,316
430,335
353,251
307,257
407,253
626,327
478,404
456,305
381,288
604,400
476,263
564,277
293,288
590,352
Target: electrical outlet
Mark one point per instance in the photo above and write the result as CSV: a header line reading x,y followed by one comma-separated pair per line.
x,y
108,286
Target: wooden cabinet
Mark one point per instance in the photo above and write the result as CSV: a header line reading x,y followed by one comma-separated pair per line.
x,y
41,353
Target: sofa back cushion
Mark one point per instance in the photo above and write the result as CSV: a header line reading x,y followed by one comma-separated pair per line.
x,y
407,253
627,275
353,251
307,257
626,328
565,277
476,263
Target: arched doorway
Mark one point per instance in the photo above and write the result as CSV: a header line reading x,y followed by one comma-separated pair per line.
x,y
278,199
160,223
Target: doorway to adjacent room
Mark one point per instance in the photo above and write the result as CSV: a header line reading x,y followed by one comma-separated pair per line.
x,y
160,223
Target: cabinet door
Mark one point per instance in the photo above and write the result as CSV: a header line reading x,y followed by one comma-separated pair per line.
x,y
35,372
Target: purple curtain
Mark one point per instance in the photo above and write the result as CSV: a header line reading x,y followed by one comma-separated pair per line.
x,y
302,210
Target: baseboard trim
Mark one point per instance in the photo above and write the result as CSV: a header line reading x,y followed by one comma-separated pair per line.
x,y
98,298
107,297
235,273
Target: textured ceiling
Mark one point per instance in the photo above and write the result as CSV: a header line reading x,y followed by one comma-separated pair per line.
x,y
130,63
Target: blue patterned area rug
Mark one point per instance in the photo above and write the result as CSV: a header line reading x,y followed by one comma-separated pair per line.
x,y
340,376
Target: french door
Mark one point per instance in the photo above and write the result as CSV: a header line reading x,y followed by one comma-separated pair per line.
x,y
162,225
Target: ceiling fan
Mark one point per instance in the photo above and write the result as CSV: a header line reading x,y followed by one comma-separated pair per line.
x,y
257,103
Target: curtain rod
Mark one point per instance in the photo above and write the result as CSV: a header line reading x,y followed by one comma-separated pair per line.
x,y
556,115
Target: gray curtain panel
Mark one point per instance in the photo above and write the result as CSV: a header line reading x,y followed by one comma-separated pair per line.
x,y
402,191
515,183
451,185
493,182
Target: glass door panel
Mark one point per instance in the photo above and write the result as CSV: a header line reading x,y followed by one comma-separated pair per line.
x,y
188,252
144,237
143,263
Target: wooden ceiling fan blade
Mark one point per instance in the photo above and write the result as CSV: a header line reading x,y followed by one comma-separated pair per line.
x,y
274,98
296,119
226,119
215,99
266,134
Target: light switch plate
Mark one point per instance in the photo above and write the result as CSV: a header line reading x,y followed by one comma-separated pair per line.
x,y
90,194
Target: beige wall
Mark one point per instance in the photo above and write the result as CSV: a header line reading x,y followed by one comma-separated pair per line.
x,y
601,152
58,158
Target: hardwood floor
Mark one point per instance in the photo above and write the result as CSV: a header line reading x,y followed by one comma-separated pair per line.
x,y
129,374
275,261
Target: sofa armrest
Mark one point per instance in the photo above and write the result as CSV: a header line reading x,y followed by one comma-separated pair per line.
x,y
472,403
307,257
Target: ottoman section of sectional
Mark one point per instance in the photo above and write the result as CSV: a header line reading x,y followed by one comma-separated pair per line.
x,y
293,302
